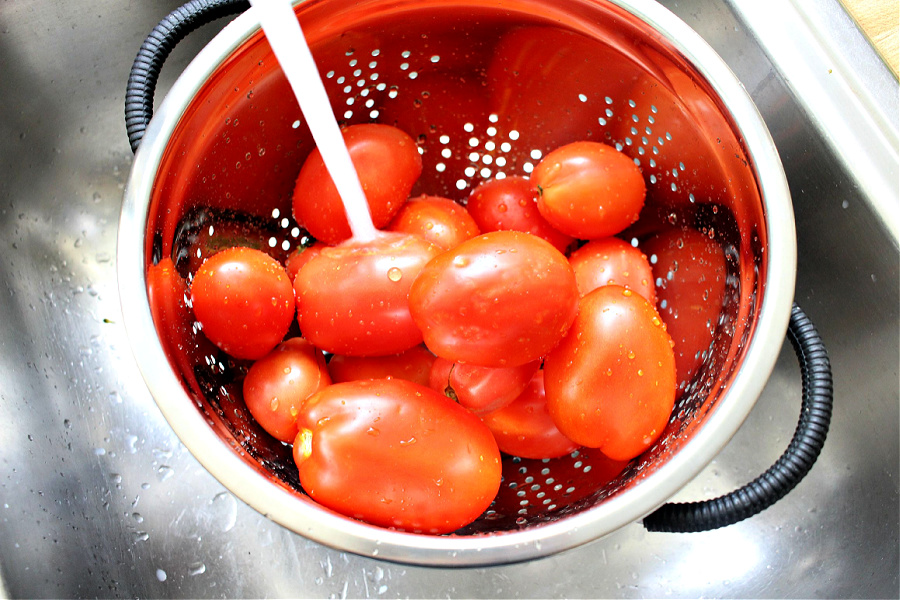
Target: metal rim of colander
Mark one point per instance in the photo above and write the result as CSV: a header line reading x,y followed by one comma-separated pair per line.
x,y
314,522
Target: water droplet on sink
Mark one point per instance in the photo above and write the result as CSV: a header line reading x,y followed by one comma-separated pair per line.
x,y
164,472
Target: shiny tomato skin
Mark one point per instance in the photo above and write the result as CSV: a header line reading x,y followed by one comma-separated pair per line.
x,y
611,381
612,261
501,299
510,204
278,383
439,220
524,427
352,298
480,389
387,162
589,190
396,454
300,257
244,301
412,365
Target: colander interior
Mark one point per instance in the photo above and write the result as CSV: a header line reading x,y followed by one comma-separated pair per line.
x,y
486,90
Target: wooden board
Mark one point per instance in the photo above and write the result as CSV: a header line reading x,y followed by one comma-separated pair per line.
x,y
880,21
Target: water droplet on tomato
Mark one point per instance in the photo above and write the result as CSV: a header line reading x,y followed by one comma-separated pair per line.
x,y
460,261
627,293
372,431
501,208
631,354
273,404
395,274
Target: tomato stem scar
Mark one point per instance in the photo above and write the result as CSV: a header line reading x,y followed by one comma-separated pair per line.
x,y
449,391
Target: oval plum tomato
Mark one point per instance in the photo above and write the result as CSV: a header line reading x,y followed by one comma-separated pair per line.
x,y
480,389
524,428
353,298
510,204
412,365
278,383
387,162
691,273
396,454
300,257
501,299
611,381
611,261
244,301
441,221
589,190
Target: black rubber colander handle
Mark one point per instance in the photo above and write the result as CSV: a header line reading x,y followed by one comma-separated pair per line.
x,y
794,464
154,52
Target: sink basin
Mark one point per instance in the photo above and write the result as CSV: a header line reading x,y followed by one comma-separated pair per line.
x,y
99,498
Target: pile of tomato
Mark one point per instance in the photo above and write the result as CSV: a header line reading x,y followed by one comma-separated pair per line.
x,y
514,322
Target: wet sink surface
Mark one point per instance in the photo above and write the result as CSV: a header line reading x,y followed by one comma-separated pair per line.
x,y
98,497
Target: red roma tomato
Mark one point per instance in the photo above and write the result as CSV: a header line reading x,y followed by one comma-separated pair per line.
x,y
388,164
441,221
524,427
244,301
353,298
611,261
300,257
589,190
278,383
396,454
690,274
413,365
498,300
510,204
611,381
480,389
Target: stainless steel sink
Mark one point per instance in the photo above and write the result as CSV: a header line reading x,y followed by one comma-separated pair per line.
x,y
99,498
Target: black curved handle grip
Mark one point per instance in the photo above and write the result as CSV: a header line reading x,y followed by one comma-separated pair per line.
x,y
154,52
790,468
